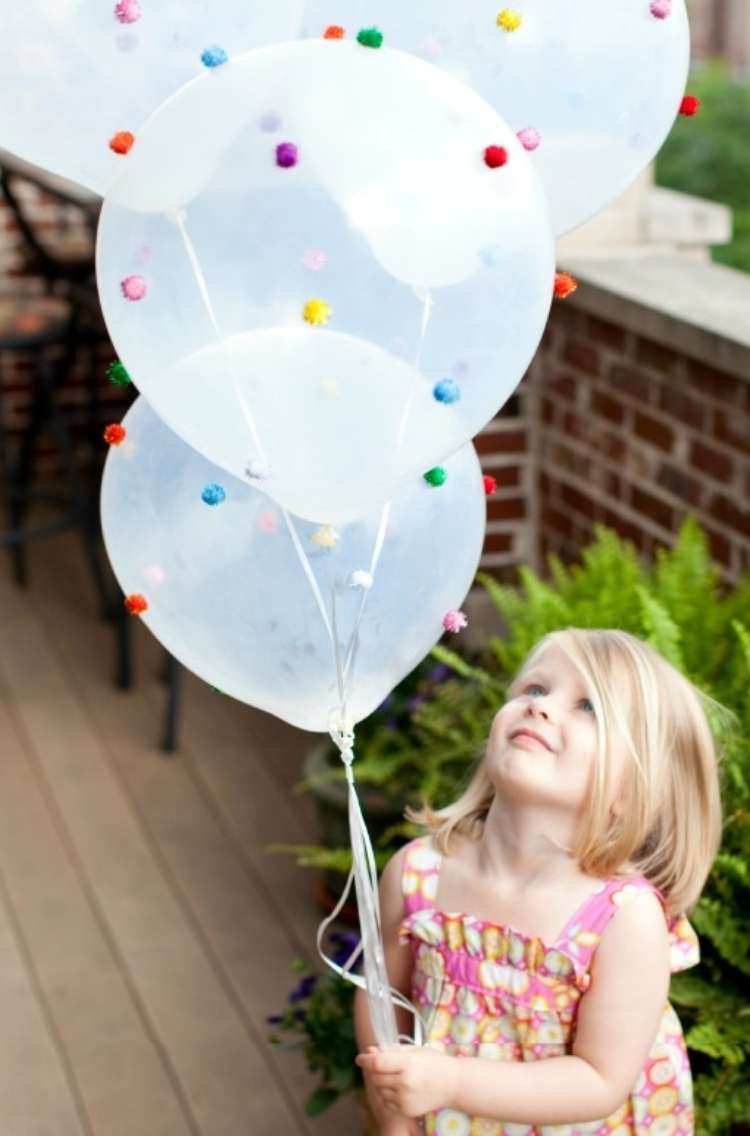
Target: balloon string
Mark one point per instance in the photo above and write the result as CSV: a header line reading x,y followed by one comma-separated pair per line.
x,y
179,218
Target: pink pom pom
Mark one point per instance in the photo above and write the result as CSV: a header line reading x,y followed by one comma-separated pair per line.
x,y
661,9
455,621
268,523
128,11
133,288
314,259
529,138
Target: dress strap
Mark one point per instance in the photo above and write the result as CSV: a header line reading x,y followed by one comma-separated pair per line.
x,y
420,873
583,932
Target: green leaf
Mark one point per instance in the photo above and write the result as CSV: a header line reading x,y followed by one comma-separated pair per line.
x,y
319,1101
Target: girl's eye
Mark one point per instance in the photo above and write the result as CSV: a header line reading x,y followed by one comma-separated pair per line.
x,y
587,705
532,687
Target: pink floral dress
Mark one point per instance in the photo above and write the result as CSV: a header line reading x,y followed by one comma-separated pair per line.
x,y
486,990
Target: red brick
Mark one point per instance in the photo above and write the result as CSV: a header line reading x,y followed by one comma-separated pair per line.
x,y
659,358
653,431
730,513
609,443
506,509
548,411
498,542
715,384
612,483
501,442
577,500
545,484
559,454
673,401
606,406
735,433
581,355
711,461
628,380
574,424
554,519
565,385
721,549
677,481
606,334
626,530
652,507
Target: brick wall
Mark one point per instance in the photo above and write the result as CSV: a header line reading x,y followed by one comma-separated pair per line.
x,y
625,420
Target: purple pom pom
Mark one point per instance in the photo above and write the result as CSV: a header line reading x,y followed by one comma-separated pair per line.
x,y
287,155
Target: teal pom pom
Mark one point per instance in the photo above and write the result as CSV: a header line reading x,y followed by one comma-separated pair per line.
x,y
436,476
214,57
214,495
370,37
447,391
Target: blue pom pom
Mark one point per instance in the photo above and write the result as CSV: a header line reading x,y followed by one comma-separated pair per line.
x,y
447,391
214,57
214,495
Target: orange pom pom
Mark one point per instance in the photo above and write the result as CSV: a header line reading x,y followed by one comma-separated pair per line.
x,y
334,32
115,434
122,142
565,285
136,604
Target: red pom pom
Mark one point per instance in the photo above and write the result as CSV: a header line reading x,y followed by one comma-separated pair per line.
x,y
565,285
122,142
136,604
490,484
114,434
334,32
495,157
690,106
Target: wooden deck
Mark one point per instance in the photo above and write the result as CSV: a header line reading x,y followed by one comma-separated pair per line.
x,y
145,934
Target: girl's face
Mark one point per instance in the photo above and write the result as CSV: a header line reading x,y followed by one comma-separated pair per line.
x,y
542,745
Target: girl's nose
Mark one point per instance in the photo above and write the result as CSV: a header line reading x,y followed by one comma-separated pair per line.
x,y
537,709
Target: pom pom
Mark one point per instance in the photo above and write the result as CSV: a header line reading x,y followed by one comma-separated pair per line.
x,y
495,157
314,260
436,476
214,57
270,121
690,106
490,485
258,471
117,374
361,580
509,20
287,155
155,574
122,142
565,285
455,621
325,537
136,604
128,11
370,37
661,9
214,495
529,138
317,312
334,32
114,434
447,391
268,523
133,288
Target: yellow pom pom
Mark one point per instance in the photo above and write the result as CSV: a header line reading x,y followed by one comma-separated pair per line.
x,y
509,20
317,312
327,537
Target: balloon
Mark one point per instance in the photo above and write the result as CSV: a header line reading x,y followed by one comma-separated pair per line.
x,y
340,323
599,83
78,73
228,593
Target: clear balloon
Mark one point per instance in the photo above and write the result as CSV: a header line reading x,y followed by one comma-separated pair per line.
x,y
317,276
262,605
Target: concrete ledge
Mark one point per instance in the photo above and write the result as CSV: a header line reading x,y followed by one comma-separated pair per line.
x,y
700,310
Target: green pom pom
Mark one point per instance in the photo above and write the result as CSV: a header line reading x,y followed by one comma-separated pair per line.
x,y
436,476
370,37
118,374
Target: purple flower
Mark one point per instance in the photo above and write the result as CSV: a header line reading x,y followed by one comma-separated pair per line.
x,y
439,672
304,989
416,701
347,942
275,1019
299,1015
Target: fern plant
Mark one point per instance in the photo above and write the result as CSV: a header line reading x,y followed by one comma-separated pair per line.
x,y
679,607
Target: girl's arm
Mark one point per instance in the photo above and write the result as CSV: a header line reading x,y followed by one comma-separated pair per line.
x,y
617,1021
398,960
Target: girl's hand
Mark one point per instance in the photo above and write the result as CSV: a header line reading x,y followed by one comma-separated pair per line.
x,y
410,1080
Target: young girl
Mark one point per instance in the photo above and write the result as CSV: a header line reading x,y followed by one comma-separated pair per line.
x,y
537,925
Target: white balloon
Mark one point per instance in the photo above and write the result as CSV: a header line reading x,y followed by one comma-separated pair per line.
x,y
422,263
228,593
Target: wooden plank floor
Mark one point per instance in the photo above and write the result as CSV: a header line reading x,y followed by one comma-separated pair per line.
x,y
145,933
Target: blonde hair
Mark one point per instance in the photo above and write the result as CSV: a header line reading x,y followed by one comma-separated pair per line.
x,y
664,815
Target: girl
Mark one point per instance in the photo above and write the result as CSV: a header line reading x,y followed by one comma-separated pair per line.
x,y
537,925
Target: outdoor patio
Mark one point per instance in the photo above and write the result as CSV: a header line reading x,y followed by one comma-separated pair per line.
x,y
145,933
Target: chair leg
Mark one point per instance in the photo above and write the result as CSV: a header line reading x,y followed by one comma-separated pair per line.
x,y
174,691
